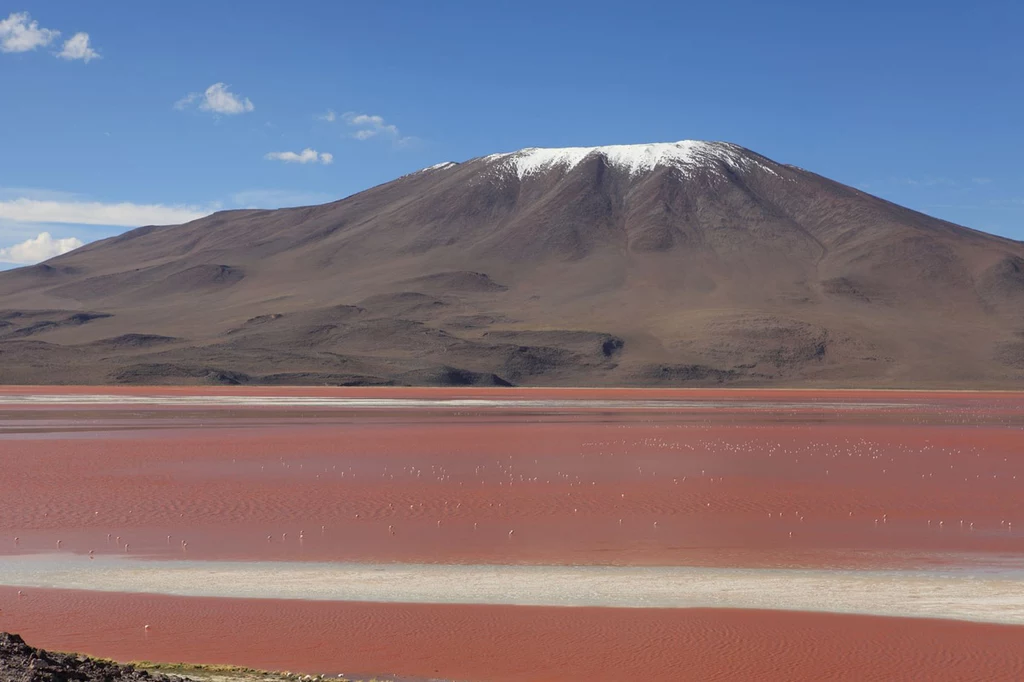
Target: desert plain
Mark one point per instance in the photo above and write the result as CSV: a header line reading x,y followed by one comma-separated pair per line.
x,y
520,534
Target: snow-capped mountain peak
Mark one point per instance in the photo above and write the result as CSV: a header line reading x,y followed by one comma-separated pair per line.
x,y
685,155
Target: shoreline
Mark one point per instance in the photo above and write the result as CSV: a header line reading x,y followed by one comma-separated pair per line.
x,y
21,659
516,644
496,390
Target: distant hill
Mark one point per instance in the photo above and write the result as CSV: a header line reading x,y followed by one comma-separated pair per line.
x,y
689,263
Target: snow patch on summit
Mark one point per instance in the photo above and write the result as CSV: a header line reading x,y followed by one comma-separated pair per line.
x,y
636,159
438,166
428,169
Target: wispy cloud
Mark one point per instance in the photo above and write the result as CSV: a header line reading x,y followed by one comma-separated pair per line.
x,y
926,182
307,155
7,193
77,47
217,99
368,126
278,198
330,116
123,214
981,181
38,249
20,33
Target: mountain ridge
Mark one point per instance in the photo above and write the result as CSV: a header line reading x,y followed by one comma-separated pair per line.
x,y
707,262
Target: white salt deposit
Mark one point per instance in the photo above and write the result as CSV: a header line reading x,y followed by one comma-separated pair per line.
x,y
986,596
213,400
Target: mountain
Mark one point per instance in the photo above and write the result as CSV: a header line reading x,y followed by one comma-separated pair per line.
x,y
688,263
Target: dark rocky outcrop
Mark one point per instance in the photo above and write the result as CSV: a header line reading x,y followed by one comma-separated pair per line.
x,y
20,662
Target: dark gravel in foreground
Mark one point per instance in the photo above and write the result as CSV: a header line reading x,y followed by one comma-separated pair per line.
x,y
21,663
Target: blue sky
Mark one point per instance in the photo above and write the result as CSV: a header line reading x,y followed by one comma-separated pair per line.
x,y
168,110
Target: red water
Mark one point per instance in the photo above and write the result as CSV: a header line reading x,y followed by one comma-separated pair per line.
x,y
724,487
516,644
930,478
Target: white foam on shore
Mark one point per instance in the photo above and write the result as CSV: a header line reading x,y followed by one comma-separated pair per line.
x,y
984,596
414,403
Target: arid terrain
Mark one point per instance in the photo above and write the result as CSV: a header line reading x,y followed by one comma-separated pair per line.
x,y
519,534
685,264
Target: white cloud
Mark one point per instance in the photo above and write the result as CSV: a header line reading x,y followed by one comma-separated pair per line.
x,y
123,214
77,47
981,181
370,125
217,99
20,33
307,155
187,100
38,249
927,182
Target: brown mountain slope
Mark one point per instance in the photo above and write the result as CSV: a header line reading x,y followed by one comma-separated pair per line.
x,y
667,264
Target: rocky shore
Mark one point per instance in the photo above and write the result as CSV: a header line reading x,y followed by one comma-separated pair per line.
x,y
20,662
